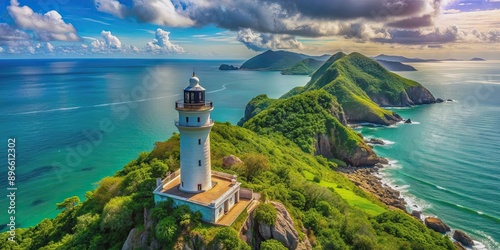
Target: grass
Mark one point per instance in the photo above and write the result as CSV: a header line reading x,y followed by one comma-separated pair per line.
x,y
348,195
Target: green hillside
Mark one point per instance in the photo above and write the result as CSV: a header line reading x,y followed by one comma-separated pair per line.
x,y
304,67
272,60
306,119
362,86
334,212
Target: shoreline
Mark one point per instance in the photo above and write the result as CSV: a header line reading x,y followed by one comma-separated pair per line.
x,y
374,181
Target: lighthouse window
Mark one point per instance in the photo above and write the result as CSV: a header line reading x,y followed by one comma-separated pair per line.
x,y
198,119
199,163
199,187
199,141
187,119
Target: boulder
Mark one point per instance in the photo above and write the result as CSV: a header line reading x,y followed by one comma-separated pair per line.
x,y
408,120
449,100
439,100
459,245
417,214
375,141
436,224
463,238
230,160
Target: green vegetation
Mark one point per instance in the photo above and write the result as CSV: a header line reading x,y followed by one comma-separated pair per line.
x,y
266,214
272,244
304,67
302,118
332,221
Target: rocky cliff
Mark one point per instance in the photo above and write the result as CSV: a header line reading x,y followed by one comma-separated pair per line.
x,y
254,233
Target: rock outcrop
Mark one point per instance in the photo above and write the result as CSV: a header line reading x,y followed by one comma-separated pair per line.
x,y
140,239
436,224
408,121
283,231
230,160
463,238
375,141
417,214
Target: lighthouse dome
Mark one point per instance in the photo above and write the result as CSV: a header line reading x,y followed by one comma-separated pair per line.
x,y
193,81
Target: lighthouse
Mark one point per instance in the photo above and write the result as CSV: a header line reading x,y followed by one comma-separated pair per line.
x,y
216,195
194,125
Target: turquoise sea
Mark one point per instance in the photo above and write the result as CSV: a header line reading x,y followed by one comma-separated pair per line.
x,y
76,121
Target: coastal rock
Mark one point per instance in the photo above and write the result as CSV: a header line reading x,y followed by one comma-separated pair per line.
x,y
365,179
449,100
436,224
139,239
408,121
463,238
230,160
459,245
439,100
375,141
284,229
417,214
227,67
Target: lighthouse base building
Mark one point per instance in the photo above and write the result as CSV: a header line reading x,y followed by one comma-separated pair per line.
x,y
217,196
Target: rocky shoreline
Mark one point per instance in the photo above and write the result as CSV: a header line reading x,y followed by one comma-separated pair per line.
x,y
366,178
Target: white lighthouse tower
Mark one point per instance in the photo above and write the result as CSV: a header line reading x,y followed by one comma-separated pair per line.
x,y
216,195
194,125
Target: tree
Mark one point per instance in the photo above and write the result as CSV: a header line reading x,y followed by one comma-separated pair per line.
x,y
254,164
68,203
117,214
166,229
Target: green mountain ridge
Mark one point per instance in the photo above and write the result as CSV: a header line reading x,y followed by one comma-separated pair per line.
x,y
305,67
328,210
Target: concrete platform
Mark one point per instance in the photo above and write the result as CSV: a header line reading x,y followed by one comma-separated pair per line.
x,y
235,211
205,198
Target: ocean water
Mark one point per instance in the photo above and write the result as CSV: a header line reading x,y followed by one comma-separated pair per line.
x,y
447,162
76,121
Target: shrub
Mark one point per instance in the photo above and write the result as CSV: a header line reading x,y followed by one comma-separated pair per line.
x,y
166,230
266,214
272,244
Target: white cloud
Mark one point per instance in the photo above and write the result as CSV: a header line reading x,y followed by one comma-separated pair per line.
x,y
9,34
109,42
49,47
112,7
161,12
261,41
162,43
49,26
1,49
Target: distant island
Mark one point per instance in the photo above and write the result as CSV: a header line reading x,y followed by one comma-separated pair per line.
x,y
392,58
291,63
227,67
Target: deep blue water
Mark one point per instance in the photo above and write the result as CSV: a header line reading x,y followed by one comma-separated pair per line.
x,y
78,120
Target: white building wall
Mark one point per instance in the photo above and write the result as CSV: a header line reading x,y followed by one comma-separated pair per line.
x,y
195,160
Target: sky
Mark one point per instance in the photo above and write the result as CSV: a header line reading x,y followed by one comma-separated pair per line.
x,y
239,29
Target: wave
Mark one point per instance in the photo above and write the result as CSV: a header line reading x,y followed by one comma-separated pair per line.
x,y
466,209
487,243
224,87
91,106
